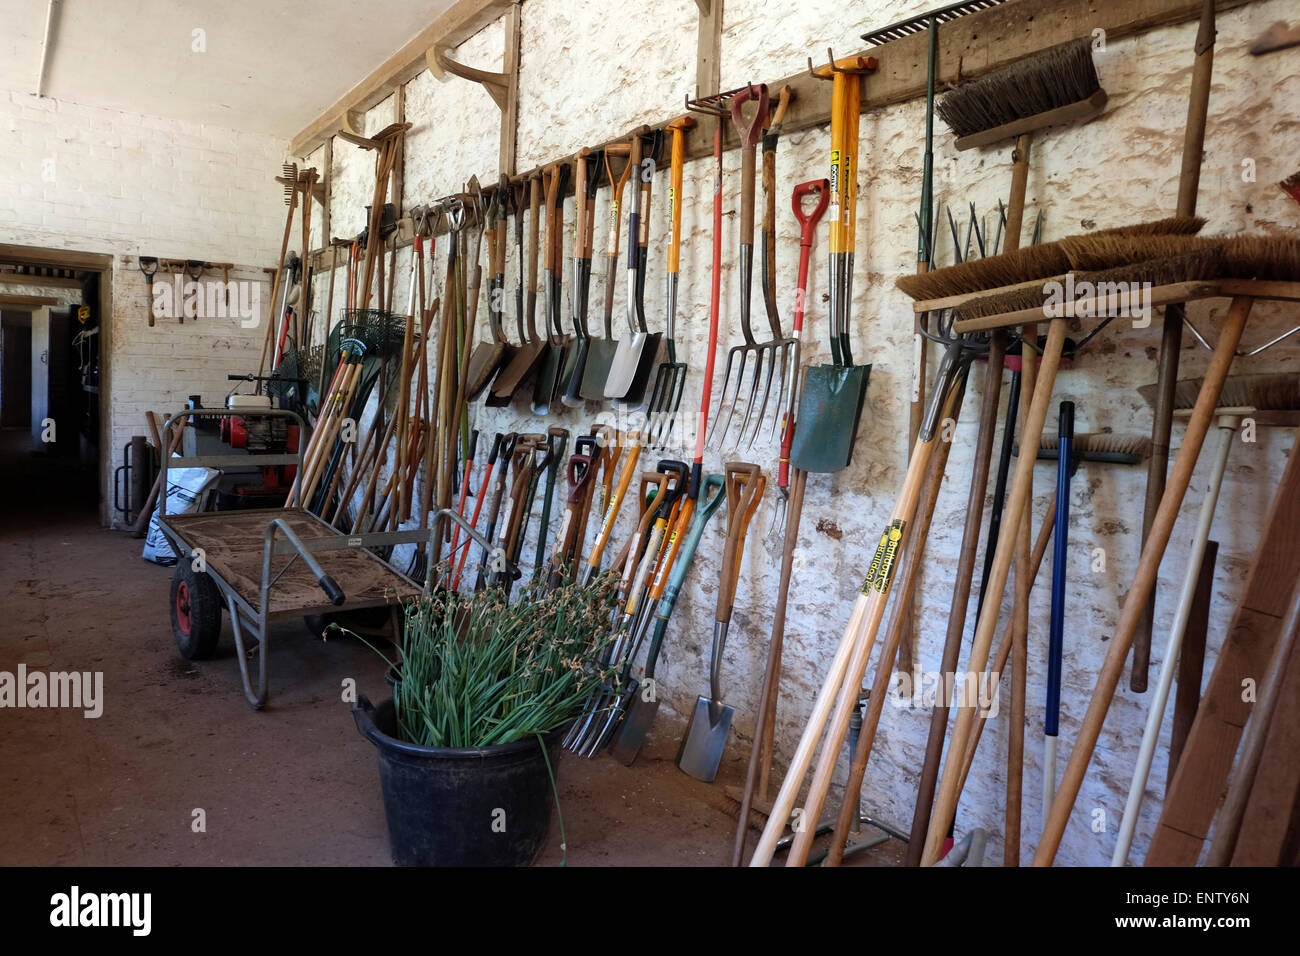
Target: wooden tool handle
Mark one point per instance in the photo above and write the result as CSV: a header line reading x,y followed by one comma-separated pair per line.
x,y
678,164
745,486
551,175
534,232
580,202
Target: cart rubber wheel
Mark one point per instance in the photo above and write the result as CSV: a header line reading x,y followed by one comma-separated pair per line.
x,y
196,612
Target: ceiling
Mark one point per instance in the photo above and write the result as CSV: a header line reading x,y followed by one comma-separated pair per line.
x,y
267,68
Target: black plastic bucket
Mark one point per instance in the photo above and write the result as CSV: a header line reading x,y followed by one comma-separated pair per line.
x,y
449,806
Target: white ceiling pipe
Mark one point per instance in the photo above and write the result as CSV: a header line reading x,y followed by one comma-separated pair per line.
x,y
51,16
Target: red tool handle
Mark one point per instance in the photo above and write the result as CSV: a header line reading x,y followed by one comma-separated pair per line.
x,y
715,298
821,188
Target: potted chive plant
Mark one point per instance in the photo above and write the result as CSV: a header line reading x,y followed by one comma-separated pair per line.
x,y
483,691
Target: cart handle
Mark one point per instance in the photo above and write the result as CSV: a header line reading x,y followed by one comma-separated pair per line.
x,y
327,583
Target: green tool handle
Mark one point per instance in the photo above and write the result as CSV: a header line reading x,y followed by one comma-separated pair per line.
x,y
712,494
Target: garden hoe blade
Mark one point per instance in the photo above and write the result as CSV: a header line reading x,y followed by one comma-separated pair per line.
x,y
548,372
706,737
518,371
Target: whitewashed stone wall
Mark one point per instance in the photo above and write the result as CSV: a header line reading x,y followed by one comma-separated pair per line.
x,y
587,76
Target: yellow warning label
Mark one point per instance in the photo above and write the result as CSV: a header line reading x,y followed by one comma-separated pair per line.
x,y
876,562
894,539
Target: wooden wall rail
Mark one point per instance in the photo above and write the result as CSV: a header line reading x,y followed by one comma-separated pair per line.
x,y
968,47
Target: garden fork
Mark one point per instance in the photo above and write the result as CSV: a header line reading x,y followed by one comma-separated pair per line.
x,y
749,137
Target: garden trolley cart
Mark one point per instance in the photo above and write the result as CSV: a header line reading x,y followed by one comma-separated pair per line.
x,y
267,564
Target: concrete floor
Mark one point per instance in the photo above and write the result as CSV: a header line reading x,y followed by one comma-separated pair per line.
x,y
294,784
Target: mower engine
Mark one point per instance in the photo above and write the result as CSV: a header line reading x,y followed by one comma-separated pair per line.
x,y
263,436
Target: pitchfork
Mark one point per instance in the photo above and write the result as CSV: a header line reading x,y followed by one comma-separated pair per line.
x,y
749,137
780,346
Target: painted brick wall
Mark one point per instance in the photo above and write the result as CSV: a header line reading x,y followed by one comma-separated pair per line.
x,y
110,181
586,77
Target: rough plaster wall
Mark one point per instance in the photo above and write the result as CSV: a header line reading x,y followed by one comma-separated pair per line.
x,y
110,181
1120,168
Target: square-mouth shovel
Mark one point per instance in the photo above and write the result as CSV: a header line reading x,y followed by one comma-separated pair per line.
x,y
833,395
637,353
706,737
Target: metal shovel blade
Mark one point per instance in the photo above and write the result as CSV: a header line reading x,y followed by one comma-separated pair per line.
x,y
596,373
706,739
625,364
548,373
483,364
638,720
517,370
829,409
651,356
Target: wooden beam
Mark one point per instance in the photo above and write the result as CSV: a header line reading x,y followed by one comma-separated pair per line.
x,y
708,49
397,179
508,152
26,301
58,258
458,23
54,282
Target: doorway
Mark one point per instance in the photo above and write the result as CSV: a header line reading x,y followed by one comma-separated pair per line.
x,y
52,347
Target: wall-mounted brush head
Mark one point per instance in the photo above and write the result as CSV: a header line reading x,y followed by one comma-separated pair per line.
x,y
1270,391
1101,446
1262,257
1046,260
1022,265
1171,226
1057,77
1095,252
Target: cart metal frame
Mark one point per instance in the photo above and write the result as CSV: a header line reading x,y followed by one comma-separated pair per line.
x,y
250,618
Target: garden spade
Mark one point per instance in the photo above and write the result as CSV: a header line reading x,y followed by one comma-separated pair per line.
x,y
644,703
532,345
706,737
584,192
632,347
832,397
548,372
601,353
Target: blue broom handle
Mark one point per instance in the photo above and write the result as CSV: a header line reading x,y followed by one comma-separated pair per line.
x,y
1059,544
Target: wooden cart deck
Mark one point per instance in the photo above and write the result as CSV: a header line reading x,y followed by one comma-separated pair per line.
x,y
232,544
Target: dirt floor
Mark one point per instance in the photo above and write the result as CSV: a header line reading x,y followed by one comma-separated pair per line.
x,y
294,784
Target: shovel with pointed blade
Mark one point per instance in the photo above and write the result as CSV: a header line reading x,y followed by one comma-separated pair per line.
x,y
706,737
644,698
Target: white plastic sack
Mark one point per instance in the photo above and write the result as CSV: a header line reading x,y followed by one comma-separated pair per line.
x,y
186,489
